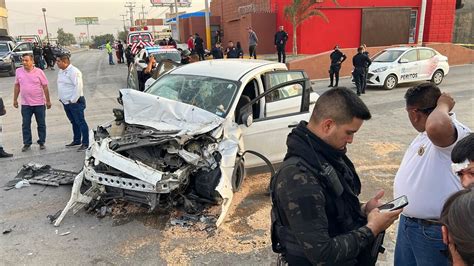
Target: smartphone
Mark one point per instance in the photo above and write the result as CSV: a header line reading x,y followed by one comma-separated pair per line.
x,y
395,204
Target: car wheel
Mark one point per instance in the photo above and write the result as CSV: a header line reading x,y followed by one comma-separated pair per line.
x,y
390,82
12,70
437,77
238,175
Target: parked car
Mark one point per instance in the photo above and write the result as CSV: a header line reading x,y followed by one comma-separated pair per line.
x,y
397,65
7,62
27,48
189,136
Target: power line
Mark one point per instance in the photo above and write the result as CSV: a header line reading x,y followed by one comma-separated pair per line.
x,y
130,6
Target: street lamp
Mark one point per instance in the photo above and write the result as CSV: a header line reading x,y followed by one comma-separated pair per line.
x,y
45,25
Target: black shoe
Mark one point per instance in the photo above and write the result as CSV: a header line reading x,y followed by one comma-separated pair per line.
x,y
4,154
82,148
25,148
358,93
330,85
72,144
363,92
42,147
336,85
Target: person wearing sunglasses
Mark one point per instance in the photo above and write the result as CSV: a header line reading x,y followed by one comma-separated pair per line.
x,y
463,160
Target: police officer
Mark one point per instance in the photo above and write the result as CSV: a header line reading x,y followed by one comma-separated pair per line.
x,y
360,62
37,55
337,57
317,218
364,80
280,42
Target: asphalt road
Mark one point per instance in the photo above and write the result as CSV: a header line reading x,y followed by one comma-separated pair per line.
x,y
147,239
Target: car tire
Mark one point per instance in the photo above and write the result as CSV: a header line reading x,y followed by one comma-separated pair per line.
x,y
238,175
390,82
12,71
437,77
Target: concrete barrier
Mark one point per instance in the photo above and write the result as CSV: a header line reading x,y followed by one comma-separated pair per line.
x,y
317,66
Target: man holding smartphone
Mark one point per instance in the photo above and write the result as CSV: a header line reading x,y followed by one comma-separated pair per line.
x,y
425,175
317,218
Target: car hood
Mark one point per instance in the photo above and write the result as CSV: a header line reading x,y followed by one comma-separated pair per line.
x,y
376,65
167,115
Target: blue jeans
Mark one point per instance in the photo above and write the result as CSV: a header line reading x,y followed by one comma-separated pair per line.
x,y
111,58
419,244
40,116
75,114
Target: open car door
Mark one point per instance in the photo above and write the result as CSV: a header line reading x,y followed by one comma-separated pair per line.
x,y
287,101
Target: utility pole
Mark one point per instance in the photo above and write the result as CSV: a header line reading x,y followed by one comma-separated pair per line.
x,y
143,13
45,24
177,19
130,6
208,26
124,19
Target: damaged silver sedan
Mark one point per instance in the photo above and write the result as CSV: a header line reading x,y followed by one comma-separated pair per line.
x,y
190,136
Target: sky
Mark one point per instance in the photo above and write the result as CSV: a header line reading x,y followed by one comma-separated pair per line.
x,y
26,16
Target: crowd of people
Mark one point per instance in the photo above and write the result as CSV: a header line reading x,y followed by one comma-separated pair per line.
x,y
43,55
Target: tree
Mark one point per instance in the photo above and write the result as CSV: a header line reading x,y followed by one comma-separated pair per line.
x,y
123,35
102,39
65,38
301,10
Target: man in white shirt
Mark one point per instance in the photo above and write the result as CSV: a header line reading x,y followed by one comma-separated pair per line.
x,y
71,95
425,175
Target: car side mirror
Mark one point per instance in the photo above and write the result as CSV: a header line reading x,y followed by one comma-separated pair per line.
x,y
246,115
403,60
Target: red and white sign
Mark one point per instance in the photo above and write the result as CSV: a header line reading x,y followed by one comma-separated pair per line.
x,y
40,31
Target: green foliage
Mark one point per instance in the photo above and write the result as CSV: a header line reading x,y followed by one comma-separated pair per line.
x,y
299,11
102,39
123,35
65,38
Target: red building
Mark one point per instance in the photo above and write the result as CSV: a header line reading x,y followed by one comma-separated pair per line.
x,y
348,23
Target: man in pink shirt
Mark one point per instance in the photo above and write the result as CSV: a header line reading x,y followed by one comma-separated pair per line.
x,y
32,85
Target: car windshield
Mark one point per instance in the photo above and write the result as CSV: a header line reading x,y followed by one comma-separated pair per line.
x,y
211,94
388,56
163,55
3,48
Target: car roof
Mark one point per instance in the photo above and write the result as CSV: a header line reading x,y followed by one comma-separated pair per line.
x,y
405,48
231,69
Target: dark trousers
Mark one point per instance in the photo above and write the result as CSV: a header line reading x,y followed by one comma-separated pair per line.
x,y
334,71
359,75
200,52
253,51
364,80
281,53
75,114
40,115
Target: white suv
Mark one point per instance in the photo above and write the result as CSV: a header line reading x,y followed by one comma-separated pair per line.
x,y
407,64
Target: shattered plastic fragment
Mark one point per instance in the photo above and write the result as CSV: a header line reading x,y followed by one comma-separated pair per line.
x,y
22,183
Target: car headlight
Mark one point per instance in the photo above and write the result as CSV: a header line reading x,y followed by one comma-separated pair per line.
x,y
380,69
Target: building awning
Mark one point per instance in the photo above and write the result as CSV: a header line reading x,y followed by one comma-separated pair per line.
x,y
187,15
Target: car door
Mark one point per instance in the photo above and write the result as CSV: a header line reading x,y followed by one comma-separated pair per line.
x,y
20,49
286,104
428,63
409,66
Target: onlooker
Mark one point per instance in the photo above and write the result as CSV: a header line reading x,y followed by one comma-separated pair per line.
x,y
71,95
317,218
3,111
217,37
129,55
231,51
280,42
364,80
360,62
463,160
172,42
458,227
32,85
191,43
163,42
425,175
119,52
253,42
48,56
199,46
217,51
37,55
240,51
337,57
108,47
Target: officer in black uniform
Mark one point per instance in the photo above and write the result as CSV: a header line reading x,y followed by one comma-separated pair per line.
x,y
280,42
317,218
37,55
364,80
360,62
337,57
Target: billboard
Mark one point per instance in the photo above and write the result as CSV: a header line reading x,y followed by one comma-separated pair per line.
x,y
87,20
181,3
